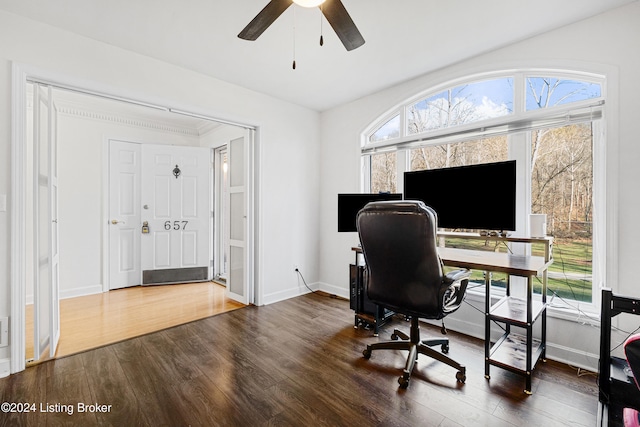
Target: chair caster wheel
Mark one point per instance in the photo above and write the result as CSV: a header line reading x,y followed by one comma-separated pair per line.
x,y
445,348
366,353
403,381
461,377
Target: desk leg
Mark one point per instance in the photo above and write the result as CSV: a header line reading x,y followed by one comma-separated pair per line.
x,y
528,365
543,337
487,323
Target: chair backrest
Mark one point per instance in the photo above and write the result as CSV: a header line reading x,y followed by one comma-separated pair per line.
x,y
398,241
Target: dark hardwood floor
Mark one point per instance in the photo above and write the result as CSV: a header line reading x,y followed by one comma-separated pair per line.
x,y
297,362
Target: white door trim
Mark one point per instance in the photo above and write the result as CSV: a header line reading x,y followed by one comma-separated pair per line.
x,y
18,220
20,74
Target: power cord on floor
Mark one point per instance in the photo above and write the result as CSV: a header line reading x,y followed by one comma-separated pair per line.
x,y
297,270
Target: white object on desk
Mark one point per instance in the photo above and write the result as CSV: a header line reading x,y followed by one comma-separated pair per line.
x,y
538,225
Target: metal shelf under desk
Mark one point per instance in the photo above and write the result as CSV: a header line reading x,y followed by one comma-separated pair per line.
x,y
515,352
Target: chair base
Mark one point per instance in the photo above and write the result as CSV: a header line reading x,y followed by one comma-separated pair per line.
x,y
416,346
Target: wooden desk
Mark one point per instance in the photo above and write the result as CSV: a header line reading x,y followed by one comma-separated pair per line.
x,y
518,265
507,351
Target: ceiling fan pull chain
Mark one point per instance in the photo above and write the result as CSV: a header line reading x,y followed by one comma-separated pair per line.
x,y
294,38
321,38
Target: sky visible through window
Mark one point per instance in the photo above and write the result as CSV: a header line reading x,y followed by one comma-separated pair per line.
x,y
543,92
484,100
462,104
494,97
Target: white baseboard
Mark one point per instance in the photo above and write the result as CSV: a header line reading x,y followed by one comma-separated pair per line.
x,y
75,292
80,292
339,291
573,357
5,367
288,293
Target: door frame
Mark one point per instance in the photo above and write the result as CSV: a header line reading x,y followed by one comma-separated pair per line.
x,y
21,73
220,202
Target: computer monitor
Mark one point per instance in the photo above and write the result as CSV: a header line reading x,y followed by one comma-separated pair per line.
x,y
476,197
350,204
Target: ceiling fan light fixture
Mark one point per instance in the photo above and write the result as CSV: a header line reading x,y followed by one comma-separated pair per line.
x,y
309,3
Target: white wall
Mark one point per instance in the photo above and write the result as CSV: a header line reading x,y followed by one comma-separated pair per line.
x,y
288,203
607,44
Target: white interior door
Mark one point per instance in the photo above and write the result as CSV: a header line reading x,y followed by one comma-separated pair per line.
x,y
124,214
46,287
176,194
54,245
238,283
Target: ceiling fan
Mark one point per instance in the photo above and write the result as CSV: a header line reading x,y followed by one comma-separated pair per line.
x,y
333,10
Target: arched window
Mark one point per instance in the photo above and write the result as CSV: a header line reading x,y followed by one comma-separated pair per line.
x,y
548,121
462,104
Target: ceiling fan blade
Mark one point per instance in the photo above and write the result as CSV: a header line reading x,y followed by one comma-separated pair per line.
x,y
342,24
266,17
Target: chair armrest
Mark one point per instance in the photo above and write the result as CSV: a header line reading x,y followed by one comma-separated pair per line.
x,y
455,287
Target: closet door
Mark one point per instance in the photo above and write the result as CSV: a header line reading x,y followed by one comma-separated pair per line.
x,y
237,287
45,248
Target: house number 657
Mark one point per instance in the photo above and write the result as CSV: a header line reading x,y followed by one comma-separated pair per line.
x,y
175,225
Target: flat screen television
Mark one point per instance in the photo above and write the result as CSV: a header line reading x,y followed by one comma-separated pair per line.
x,y
350,204
476,197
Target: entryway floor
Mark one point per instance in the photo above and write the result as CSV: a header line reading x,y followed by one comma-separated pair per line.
x,y
96,320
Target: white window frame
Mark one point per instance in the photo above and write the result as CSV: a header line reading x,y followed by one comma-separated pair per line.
x,y
581,111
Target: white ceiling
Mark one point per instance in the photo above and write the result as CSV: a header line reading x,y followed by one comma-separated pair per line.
x,y
404,38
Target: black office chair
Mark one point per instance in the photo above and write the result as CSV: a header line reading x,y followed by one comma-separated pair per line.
x,y
404,274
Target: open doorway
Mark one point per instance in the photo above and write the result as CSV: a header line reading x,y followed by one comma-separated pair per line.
x,y
83,125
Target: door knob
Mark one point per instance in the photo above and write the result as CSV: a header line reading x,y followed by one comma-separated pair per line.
x,y
115,221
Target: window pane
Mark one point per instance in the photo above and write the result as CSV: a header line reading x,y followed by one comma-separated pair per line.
x,y
428,114
562,188
544,92
389,130
462,104
383,172
486,150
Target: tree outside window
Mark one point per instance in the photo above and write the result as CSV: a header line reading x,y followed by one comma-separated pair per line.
x,y
561,159
562,188
384,172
